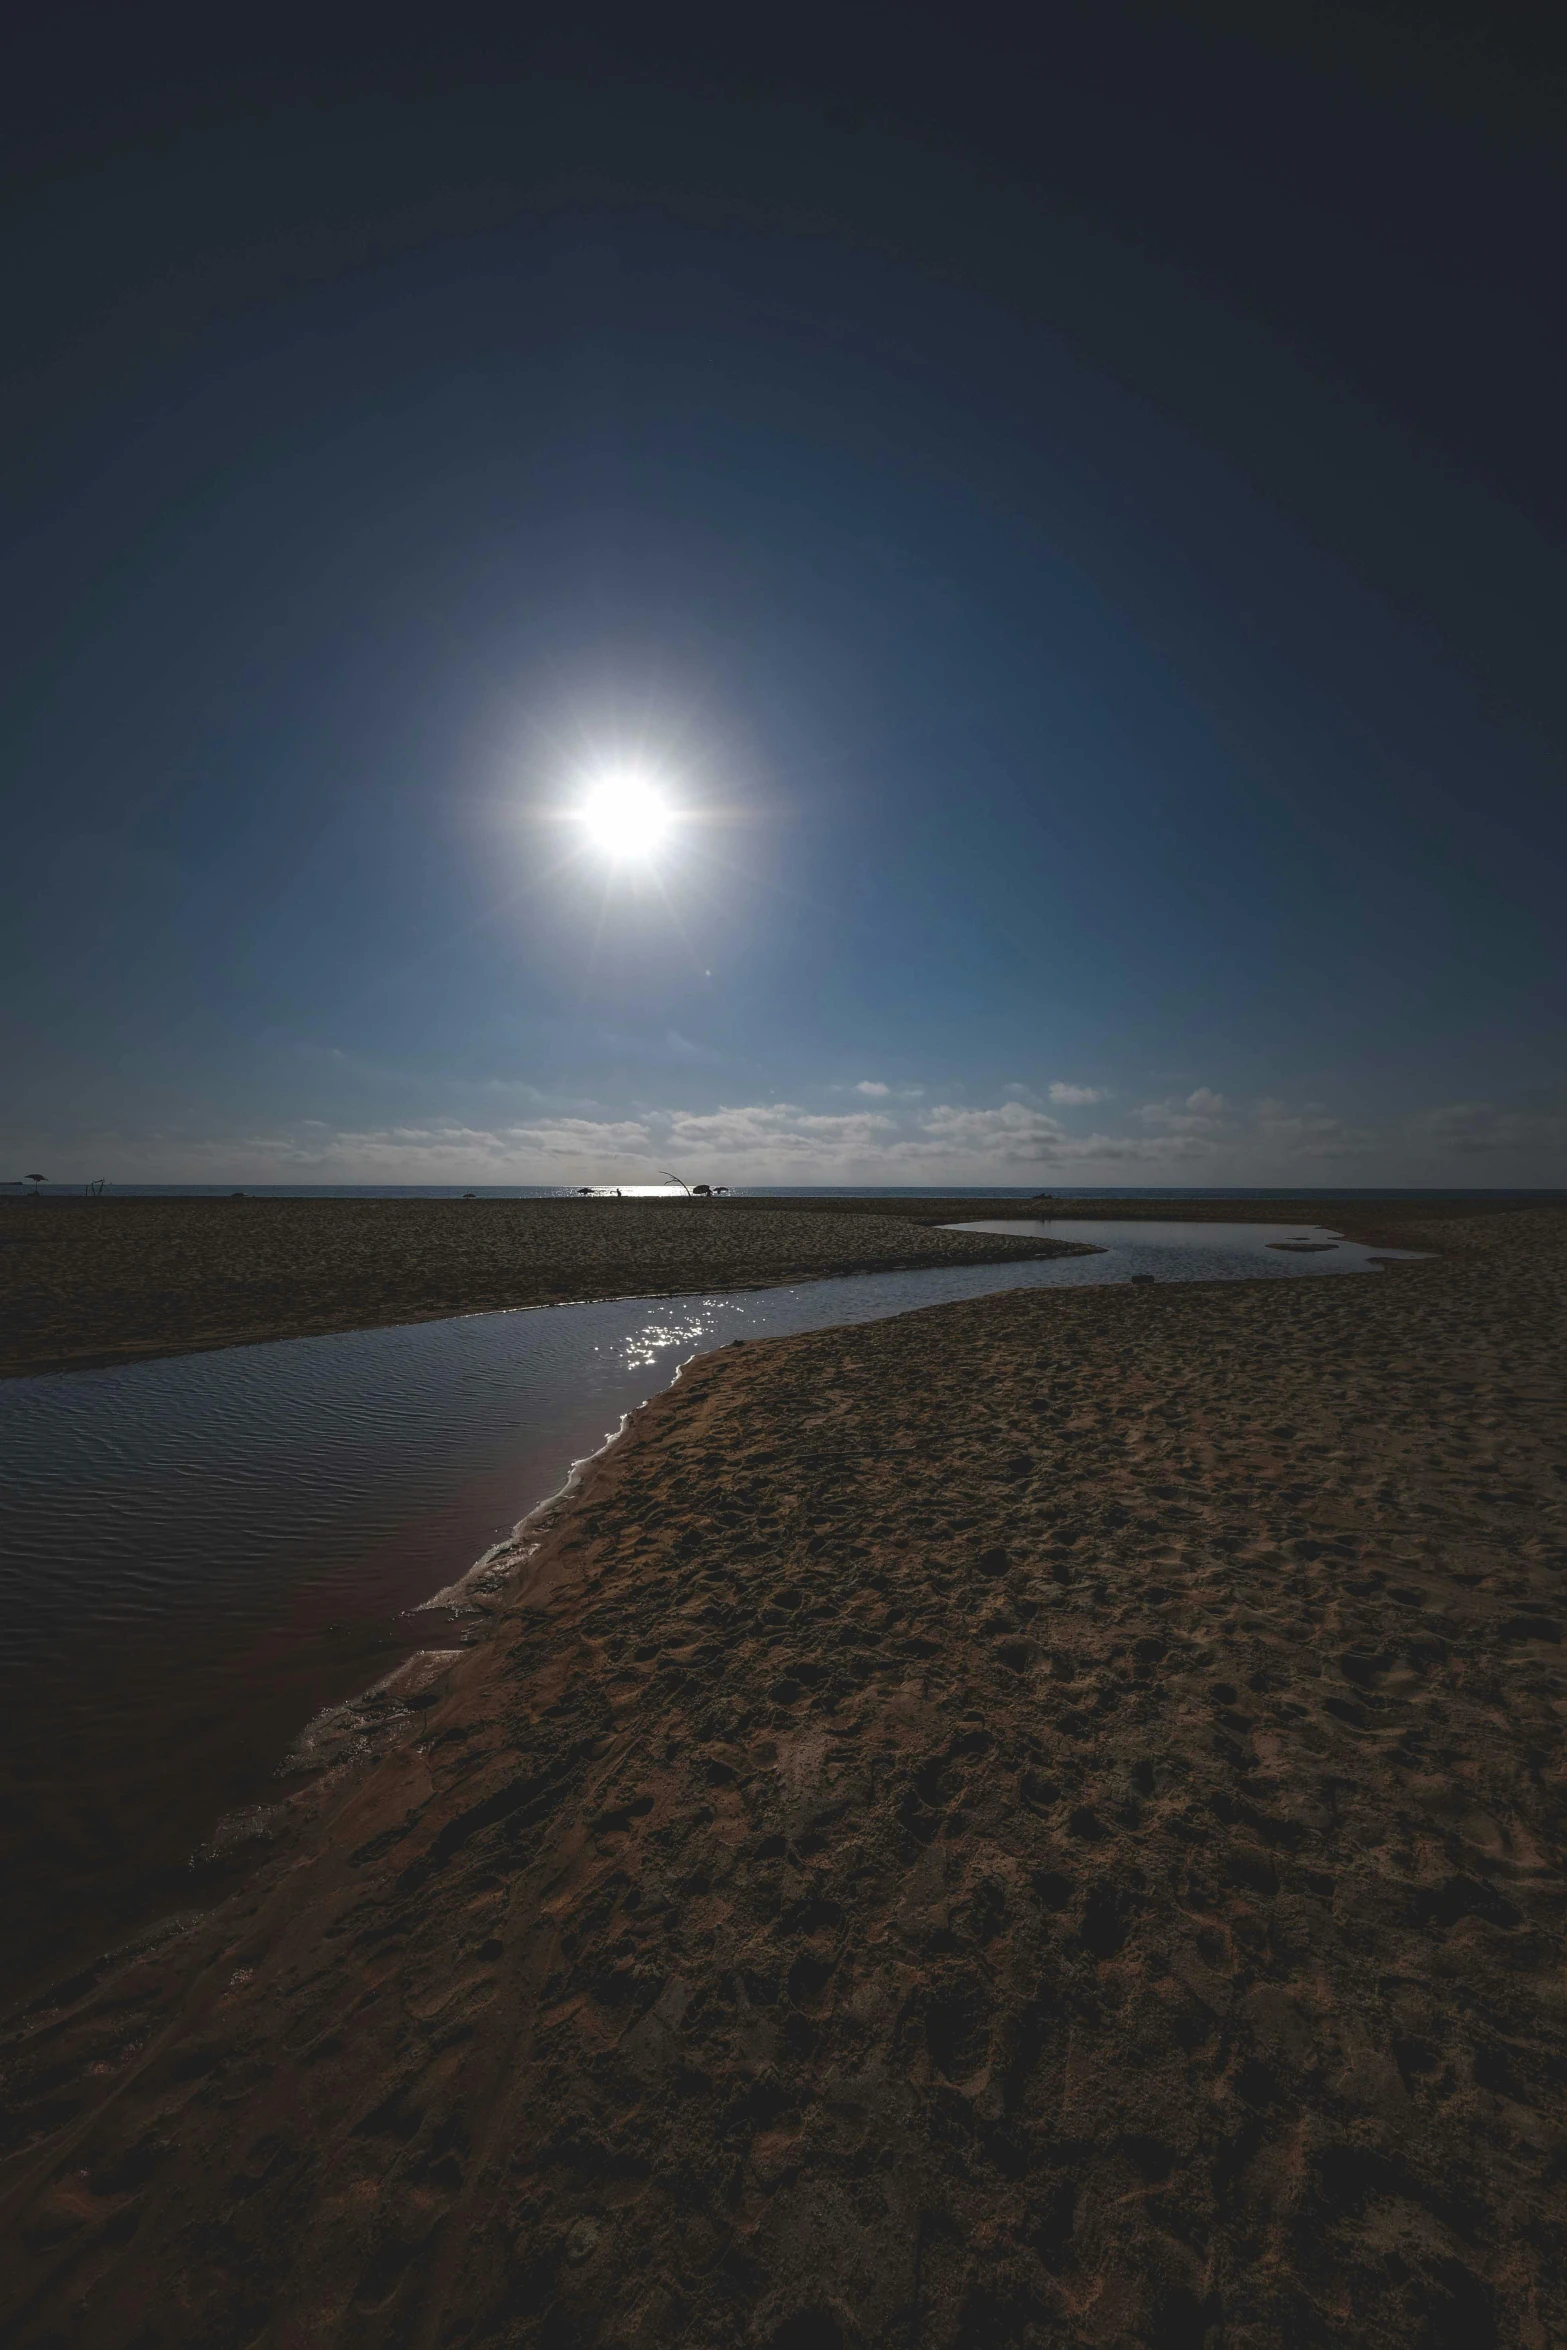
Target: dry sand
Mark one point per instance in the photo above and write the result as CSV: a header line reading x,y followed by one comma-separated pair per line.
x,y
101,1281
1037,1822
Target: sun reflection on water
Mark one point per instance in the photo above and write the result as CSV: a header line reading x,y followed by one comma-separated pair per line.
x,y
644,1346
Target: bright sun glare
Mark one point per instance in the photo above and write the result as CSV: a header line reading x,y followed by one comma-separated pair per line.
x,y
625,818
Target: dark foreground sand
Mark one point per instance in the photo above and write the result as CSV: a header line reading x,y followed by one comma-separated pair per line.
x,y
84,1281
1033,1823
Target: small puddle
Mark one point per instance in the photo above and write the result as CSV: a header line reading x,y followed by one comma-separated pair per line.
x,y
198,1555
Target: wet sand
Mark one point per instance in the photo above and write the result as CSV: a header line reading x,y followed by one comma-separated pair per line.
x,y
1036,1822
85,1282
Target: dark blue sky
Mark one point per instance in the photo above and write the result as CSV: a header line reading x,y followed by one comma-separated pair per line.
x,y
1069,503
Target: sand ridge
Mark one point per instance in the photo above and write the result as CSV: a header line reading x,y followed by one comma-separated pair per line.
x,y
1035,1822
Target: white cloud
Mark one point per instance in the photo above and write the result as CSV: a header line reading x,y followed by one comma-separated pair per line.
x,y
779,1131
1310,1133
757,1142
884,1133
1076,1096
1202,1112
542,1151
1475,1127
1017,1135
460,1148
1013,1131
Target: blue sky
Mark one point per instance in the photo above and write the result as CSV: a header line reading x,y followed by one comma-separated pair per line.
x,y
1107,684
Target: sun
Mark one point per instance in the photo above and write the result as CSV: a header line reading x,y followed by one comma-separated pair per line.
x,y
625,818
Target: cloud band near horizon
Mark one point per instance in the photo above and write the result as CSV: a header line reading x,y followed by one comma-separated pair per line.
x,y
1200,1138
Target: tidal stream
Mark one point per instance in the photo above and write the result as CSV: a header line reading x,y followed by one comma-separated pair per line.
x,y
200,1553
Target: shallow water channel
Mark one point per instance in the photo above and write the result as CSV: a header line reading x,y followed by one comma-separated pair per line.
x,y
199,1553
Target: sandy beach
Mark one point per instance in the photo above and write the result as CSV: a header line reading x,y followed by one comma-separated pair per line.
x,y
1036,1822
85,1282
